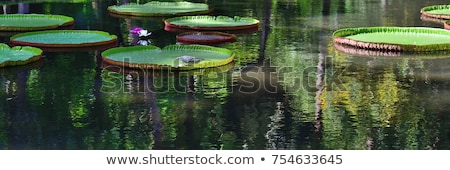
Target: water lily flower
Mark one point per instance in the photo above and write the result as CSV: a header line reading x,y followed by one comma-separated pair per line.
x,y
144,33
136,30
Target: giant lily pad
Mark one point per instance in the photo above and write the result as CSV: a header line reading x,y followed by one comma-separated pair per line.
x,y
18,55
167,58
411,39
156,8
64,38
437,11
14,2
211,23
33,22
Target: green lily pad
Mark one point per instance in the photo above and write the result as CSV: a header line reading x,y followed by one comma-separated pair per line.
x,y
18,55
166,58
436,11
156,8
41,1
211,23
411,39
33,22
64,38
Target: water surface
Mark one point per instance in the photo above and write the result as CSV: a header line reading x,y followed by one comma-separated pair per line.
x,y
289,87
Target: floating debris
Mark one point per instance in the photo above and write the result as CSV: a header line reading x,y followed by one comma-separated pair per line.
x,y
189,59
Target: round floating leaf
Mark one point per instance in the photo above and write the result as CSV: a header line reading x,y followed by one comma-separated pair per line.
x,y
171,57
156,8
14,2
436,11
412,39
18,55
64,38
211,23
205,38
33,22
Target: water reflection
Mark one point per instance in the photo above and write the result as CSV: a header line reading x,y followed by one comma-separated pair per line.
x,y
388,94
317,96
14,114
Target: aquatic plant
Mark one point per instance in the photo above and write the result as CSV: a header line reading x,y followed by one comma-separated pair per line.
x,y
141,32
173,57
156,8
18,55
33,22
211,23
136,30
412,39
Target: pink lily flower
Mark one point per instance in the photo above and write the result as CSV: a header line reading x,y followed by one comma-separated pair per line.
x,y
136,30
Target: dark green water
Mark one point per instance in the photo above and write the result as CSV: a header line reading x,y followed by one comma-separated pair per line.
x,y
289,87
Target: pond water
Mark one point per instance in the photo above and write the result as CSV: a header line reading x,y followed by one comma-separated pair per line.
x,y
289,87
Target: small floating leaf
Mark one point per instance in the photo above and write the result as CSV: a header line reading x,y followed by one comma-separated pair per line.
x,y
170,57
156,8
33,22
18,55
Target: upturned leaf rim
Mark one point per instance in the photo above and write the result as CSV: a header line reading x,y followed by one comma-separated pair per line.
x,y
447,25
